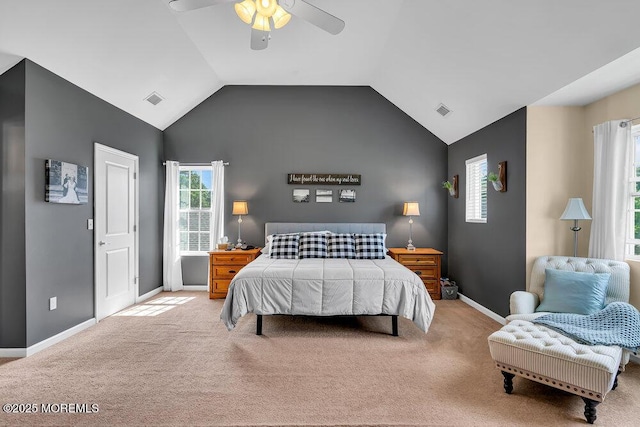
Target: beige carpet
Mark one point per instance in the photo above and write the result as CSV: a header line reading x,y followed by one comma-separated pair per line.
x,y
182,367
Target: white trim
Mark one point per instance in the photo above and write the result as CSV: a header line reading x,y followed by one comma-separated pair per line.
x,y
482,309
148,295
13,352
26,352
629,251
195,288
476,159
635,359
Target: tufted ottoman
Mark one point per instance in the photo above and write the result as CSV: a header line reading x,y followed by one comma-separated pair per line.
x,y
541,354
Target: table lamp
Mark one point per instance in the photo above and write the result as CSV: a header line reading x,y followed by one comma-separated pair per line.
x,y
411,209
240,208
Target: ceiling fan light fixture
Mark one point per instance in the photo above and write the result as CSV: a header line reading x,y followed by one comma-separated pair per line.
x,y
280,17
266,8
245,11
261,23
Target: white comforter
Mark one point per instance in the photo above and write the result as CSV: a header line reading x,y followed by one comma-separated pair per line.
x,y
327,287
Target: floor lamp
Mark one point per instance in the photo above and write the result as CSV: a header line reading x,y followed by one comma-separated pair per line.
x,y
575,211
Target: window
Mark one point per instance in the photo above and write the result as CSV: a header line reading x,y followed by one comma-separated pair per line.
x,y
476,201
195,209
633,222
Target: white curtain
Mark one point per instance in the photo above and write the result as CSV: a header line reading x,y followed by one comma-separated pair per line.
x,y
217,202
613,155
171,262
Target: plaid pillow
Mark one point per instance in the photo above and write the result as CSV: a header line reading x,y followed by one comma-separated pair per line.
x,y
341,245
312,245
284,246
370,246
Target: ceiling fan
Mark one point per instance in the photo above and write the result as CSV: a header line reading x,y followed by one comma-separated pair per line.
x,y
262,14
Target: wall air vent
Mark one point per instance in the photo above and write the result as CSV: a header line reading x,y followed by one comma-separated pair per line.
x,y
443,110
154,98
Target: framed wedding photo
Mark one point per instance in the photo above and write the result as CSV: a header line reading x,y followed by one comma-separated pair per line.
x,y
66,183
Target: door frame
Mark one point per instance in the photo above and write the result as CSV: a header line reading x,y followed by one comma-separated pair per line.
x,y
136,215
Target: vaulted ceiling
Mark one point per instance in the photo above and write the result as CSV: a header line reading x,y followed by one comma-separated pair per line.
x,y
481,58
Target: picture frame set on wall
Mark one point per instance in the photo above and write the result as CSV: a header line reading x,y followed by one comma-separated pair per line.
x,y
302,195
66,183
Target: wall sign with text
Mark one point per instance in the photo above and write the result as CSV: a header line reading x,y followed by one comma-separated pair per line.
x,y
324,179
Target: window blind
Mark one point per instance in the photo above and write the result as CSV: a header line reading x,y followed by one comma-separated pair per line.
x,y
476,186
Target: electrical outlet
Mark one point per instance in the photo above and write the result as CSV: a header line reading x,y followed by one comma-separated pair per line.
x,y
90,224
53,303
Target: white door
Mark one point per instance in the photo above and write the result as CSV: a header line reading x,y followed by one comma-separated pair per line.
x,y
116,252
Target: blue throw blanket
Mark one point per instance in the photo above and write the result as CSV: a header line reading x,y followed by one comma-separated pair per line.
x,y
616,324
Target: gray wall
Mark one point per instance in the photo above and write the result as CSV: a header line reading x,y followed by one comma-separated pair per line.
x,y
266,132
62,123
13,319
488,260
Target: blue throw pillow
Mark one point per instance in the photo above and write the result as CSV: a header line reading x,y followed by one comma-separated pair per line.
x,y
573,292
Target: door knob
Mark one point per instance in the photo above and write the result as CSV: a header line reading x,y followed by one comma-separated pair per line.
x,y
102,243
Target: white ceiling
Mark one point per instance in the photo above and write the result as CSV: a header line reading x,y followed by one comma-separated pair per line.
x,y
482,58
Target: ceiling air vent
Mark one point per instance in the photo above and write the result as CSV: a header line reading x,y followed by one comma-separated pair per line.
x,y
443,110
154,98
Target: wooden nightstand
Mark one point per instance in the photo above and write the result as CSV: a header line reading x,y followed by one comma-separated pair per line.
x,y
425,262
223,265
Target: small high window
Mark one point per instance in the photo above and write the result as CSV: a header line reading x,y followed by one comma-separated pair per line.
x,y
476,200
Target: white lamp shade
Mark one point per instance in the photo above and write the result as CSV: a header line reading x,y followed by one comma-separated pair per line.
x,y
266,8
575,210
411,209
240,207
280,17
261,23
245,11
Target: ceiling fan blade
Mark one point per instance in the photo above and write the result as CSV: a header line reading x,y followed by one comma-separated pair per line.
x,y
313,15
259,39
185,5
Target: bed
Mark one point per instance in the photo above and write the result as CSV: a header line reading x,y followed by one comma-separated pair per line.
x,y
320,286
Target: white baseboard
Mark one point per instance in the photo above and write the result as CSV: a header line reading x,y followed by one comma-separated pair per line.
x,y
195,288
635,359
13,352
26,352
482,309
149,294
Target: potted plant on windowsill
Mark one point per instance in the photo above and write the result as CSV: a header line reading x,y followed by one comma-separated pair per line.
x,y
449,187
495,181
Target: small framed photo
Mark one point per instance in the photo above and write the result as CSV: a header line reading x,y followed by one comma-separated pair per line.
x,y
347,196
324,196
301,195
